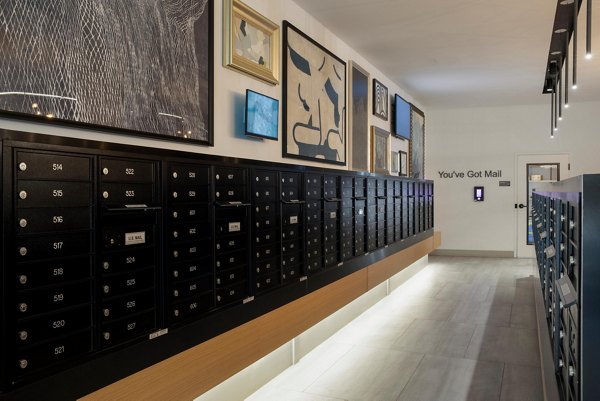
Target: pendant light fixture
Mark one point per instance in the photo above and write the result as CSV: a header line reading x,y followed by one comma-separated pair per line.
x,y
588,31
552,117
566,82
575,14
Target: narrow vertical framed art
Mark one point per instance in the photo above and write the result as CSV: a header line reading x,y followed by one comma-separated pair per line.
x,y
417,143
314,100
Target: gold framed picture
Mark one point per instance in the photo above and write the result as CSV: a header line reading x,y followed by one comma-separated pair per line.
x,y
380,151
250,42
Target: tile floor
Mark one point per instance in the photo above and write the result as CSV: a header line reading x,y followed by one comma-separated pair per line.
x,y
461,329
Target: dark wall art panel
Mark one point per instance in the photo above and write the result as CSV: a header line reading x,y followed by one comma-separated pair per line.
x,y
417,143
140,66
314,100
359,116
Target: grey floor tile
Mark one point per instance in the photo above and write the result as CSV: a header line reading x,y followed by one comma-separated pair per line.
x,y
511,294
523,316
460,291
504,344
374,330
436,337
421,308
521,383
482,313
454,379
367,374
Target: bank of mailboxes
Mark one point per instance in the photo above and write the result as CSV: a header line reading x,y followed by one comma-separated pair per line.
x,y
113,249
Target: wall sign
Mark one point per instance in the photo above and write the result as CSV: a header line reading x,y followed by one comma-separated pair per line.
x,y
471,174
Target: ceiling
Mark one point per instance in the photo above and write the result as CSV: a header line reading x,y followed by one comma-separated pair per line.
x,y
460,53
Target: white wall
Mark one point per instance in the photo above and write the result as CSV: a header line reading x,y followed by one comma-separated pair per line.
x,y
229,94
490,138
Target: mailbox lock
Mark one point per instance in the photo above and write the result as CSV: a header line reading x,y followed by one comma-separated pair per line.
x,y
106,335
175,254
23,194
174,174
23,363
23,279
106,289
175,234
175,293
174,194
175,273
22,166
23,307
23,223
176,312
105,171
175,215
22,251
22,335
105,194
106,312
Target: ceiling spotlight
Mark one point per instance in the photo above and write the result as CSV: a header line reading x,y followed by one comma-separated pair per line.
x,y
560,118
588,56
574,87
566,105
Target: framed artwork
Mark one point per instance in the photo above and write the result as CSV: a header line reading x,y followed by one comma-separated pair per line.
x,y
358,117
395,168
417,143
403,164
380,100
139,67
314,100
250,42
380,150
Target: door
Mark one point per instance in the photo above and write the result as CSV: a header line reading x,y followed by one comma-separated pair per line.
x,y
533,170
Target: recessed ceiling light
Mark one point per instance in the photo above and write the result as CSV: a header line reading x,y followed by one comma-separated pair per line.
x,y
560,30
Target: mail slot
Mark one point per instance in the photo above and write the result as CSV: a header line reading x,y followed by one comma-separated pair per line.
x,y
230,260
33,302
290,274
265,179
230,194
40,220
313,240
312,181
180,193
346,254
346,203
186,289
290,232
124,170
330,260
331,192
359,191
330,248
190,231
228,177
330,226
191,307
265,222
52,166
313,252
289,261
347,213
189,213
346,182
31,275
189,175
289,247
122,194
127,237
33,330
267,266
265,237
290,193
34,358
313,216
329,181
130,304
130,259
55,194
52,246
267,282
313,193
347,192
266,251
125,283
265,210
127,329
193,268
330,237
290,179
314,229
314,265
191,250
265,194
233,293
228,277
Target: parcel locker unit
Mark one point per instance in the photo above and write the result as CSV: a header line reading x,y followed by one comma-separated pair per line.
x,y
129,225
232,221
116,255
567,254
190,277
49,261
266,230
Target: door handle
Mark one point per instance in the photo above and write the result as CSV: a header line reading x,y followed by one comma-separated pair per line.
x,y
520,206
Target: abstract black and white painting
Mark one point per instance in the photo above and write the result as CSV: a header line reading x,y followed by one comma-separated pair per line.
x,y
141,66
358,117
314,100
380,100
417,143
